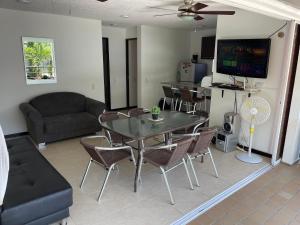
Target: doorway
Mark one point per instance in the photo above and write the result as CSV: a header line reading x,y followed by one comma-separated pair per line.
x,y
106,72
131,72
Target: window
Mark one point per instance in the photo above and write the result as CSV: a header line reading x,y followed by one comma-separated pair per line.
x,y
39,60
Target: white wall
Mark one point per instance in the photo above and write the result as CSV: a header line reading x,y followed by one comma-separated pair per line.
x,y
131,32
250,25
159,52
78,49
292,142
196,46
117,59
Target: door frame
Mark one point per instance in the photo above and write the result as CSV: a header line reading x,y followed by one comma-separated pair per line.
x,y
289,93
127,73
107,78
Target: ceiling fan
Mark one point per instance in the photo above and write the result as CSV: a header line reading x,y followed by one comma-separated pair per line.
x,y
101,0
191,10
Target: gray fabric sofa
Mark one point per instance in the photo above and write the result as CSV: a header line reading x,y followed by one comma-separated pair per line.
x,y
61,115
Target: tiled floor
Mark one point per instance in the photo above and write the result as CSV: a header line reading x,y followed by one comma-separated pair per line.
x,y
272,199
150,205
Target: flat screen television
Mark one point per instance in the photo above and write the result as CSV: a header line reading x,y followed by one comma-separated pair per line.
x,y
243,57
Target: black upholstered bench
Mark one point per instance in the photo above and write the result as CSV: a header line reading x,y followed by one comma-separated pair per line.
x,y
36,193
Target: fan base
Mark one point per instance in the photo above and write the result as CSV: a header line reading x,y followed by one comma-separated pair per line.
x,y
253,159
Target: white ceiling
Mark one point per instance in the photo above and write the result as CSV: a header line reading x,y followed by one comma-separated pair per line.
x,y
293,3
110,11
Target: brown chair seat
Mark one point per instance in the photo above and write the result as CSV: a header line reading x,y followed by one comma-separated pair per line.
x,y
198,99
111,157
158,157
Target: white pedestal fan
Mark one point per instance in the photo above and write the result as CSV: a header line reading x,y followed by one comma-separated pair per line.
x,y
256,111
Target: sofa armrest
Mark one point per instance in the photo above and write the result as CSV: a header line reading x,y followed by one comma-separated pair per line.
x,y
34,121
94,107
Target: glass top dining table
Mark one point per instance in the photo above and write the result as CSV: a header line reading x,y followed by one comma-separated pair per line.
x,y
142,127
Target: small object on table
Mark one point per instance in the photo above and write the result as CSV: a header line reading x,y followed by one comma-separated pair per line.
x,y
156,120
155,111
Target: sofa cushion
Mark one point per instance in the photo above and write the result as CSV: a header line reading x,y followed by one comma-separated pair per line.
x,y
69,122
59,103
35,189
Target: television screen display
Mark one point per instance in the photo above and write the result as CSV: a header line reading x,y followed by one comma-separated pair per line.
x,y
244,57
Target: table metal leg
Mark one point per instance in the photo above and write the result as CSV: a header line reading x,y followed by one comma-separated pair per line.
x,y
139,164
168,139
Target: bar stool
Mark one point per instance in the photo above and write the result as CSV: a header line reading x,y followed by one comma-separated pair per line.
x,y
169,94
188,99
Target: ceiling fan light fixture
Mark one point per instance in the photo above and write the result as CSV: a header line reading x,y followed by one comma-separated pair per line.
x,y
183,8
186,16
124,16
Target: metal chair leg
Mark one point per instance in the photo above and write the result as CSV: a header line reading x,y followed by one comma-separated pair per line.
x,y
132,156
194,109
193,170
176,104
180,104
163,108
105,181
172,104
167,184
85,173
213,162
188,174
140,167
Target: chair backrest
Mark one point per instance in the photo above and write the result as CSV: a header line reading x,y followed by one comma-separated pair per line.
x,y
92,151
106,116
201,143
59,103
105,157
186,95
136,112
4,166
179,152
168,92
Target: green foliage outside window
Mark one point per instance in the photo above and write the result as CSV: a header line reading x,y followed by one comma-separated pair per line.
x,y
39,59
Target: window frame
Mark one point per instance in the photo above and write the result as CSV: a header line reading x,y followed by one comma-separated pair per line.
x,y
42,40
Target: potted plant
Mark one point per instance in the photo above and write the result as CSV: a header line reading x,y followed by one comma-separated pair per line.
x,y
155,111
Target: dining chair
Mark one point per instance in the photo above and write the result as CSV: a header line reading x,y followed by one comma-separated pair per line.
x,y
107,157
167,158
114,138
200,147
189,100
137,112
190,130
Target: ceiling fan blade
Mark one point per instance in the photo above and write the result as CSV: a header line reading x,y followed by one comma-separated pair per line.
x,y
154,7
198,18
216,12
198,6
101,0
167,14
